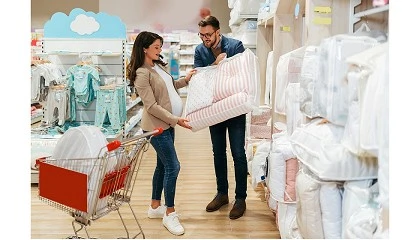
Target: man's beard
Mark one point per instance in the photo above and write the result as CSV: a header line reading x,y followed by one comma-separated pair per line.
x,y
209,44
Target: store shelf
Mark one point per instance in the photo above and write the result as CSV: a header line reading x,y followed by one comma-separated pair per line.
x,y
68,53
243,17
186,52
189,43
37,118
250,46
117,136
34,176
133,103
267,21
133,121
372,11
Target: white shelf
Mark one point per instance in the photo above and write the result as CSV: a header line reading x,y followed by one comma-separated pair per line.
x,y
111,137
244,16
67,53
372,11
250,46
133,103
34,176
133,121
37,117
186,52
189,43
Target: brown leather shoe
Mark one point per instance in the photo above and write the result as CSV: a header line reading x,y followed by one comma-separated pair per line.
x,y
238,209
217,202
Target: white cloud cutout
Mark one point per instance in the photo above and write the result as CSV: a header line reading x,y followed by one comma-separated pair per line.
x,y
83,24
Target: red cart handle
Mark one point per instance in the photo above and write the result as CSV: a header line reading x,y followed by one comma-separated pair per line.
x,y
159,131
113,145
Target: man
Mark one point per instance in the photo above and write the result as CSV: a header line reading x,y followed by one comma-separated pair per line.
x,y
216,47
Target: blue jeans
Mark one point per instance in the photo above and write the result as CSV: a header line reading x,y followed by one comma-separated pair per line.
x,y
167,167
236,128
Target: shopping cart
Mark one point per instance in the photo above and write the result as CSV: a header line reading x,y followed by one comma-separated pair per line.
x,y
87,189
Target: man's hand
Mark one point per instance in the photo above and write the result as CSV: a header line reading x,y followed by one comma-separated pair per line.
x,y
219,58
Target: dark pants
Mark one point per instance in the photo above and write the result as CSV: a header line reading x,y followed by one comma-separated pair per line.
x,y
236,129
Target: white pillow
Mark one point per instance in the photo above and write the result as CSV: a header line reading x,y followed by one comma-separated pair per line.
x,y
286,220
308,211
200,89
268,79
331,205
308,75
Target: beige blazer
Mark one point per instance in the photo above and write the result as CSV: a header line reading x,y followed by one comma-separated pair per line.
x,y
152,89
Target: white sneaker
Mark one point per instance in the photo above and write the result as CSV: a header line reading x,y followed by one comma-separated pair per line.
x,y
159,212
171,222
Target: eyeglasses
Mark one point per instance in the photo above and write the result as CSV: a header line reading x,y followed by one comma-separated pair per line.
x,y
206,35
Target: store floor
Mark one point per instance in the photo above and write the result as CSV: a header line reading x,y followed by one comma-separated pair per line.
x,y
196,186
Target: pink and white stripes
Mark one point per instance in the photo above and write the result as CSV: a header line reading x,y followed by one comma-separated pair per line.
x,y
235,92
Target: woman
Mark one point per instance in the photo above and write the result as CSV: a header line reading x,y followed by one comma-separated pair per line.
x,y
162,109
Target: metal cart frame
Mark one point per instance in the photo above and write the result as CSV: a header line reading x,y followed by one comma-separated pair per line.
x,y
84,189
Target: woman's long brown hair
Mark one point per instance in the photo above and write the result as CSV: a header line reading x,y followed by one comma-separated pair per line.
x,y
143,41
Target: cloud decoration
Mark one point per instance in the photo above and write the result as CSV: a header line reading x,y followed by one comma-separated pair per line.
x,y
82,24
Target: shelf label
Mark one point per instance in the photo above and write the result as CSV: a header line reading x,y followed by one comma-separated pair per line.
x,y
322,21
285,28
319,9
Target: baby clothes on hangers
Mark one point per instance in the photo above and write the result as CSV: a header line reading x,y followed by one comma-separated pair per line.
x,y
111,101
57,105
40,78
84,80
42,75
36,74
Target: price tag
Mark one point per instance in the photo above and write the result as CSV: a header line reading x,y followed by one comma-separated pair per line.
x,y
322,21
285,28
319,9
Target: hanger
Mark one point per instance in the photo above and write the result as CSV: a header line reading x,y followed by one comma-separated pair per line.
x,y
45,61
36,62
85,59
363,28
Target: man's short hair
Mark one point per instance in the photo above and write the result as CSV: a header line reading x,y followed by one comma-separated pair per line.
x,y
209,20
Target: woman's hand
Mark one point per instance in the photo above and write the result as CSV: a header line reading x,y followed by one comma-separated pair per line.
x,y
183,123
189,75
